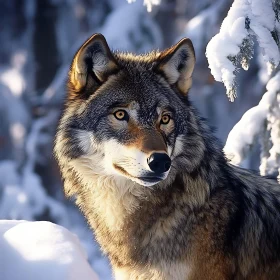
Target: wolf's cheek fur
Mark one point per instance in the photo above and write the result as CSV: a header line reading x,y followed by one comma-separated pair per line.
x,y
109,158
131,160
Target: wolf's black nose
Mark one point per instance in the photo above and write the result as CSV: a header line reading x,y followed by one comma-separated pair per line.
x,y
159,162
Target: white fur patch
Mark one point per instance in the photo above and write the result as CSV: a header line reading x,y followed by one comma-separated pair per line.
x,y
85,140
114,195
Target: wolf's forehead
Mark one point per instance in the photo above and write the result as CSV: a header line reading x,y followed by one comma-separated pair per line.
x,y
151,106
139,107
144,98
138,98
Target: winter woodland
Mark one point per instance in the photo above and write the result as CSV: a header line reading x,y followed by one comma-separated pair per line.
x,y
236,86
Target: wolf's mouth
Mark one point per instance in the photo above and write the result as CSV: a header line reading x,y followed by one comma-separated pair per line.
x,y
150,179
145,179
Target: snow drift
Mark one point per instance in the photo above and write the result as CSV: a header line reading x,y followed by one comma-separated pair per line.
x,y
41,250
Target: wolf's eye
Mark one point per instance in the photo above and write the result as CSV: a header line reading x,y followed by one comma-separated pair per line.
x,y
121,115
165,119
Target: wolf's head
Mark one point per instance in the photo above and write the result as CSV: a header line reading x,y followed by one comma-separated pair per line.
x,y
128,116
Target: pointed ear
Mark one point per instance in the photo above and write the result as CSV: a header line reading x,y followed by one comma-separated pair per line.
x,y
177,64
93,63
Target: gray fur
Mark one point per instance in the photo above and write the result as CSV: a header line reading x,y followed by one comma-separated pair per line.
x,y
206,220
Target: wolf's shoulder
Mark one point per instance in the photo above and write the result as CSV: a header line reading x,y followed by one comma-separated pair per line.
x,y
251,179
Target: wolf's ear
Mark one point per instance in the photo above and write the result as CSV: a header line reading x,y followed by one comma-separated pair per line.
x,y
177,64
93,63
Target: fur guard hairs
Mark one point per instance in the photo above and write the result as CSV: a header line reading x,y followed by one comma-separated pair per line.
x,y
151,178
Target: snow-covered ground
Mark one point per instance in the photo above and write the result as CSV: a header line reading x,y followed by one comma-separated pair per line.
x,y
41,250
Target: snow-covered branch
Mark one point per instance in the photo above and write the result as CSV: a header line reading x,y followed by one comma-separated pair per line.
x,y
232,47
259,121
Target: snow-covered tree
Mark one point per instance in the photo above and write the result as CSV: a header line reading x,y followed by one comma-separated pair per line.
x,y
248,22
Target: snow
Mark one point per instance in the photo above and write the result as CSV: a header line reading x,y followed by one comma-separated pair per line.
x,y
225,44
41,250
148,3
23,196
270,162
243,134
138,33
14,80
244,20
201,27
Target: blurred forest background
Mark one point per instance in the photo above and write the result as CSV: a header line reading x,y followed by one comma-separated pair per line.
x,y
38,40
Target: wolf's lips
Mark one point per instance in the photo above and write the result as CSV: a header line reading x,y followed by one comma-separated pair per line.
x,y
150,179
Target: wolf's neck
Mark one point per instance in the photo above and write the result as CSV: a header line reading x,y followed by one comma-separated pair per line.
x,y
115,200
141,218
117,204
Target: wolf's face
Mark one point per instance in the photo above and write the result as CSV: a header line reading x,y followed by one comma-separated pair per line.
x,y
126,116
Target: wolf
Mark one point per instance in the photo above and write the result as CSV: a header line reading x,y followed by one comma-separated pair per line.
x,y
151,178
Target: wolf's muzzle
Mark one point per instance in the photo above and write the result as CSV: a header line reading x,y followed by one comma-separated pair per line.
x,y
159,162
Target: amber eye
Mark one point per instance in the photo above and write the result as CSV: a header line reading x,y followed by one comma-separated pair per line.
x,y
121,115
165,119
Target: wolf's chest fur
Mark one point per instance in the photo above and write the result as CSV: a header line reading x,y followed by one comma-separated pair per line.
x,y
151,178
139,233
160,235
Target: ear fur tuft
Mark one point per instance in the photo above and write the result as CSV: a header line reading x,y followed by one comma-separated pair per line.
x,y
177,64
94,57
